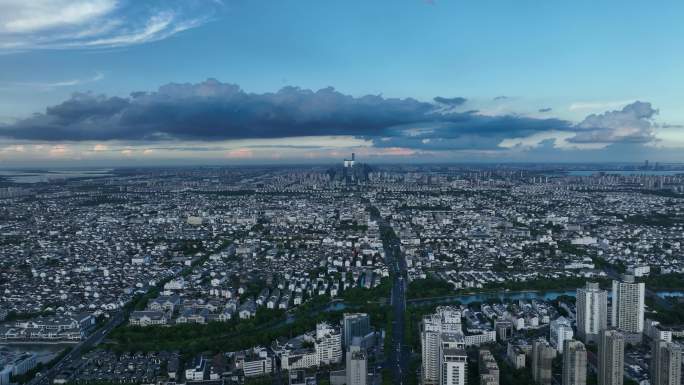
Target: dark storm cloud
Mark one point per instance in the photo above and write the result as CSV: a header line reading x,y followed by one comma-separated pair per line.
x,y
457,101
212,110
469,131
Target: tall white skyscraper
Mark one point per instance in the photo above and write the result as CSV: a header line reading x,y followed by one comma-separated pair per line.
x,y
453,360
628,305
666,363
559,331
436,328
611,357
574,363
592,312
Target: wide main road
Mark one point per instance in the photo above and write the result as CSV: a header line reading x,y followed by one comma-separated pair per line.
x,y
398,356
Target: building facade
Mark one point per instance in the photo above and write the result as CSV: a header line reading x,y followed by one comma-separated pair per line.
x,y
560,330
434,329
453,361
489,369
542,360
666,363
357,368
628,305
574,363
592,312
611,357
355,325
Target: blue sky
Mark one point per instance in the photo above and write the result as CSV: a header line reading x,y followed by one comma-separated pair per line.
x,y
531,74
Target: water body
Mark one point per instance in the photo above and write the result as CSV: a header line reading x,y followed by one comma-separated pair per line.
x,y
504,296
44,352
623,172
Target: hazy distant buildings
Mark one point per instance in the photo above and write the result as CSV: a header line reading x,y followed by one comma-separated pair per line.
x,y
628,305
611,357
542,360
666,363
574,363
592,311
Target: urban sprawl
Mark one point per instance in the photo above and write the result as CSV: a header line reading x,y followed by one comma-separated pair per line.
x,y
343,274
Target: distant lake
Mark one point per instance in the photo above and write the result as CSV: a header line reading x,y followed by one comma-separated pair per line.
x,y
623,172
33,176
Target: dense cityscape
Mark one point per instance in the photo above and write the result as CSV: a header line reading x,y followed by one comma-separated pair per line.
x,y
343,274
322,192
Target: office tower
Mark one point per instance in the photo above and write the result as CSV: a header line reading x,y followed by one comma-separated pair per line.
x,y
445,323
504,329
453,360
542,360
489,369
357,368
559,331
592,312
611,357
628,305
355,325
666,363
574,363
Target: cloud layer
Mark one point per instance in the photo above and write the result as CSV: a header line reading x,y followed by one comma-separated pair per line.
x,y
216,111
634,123
60,24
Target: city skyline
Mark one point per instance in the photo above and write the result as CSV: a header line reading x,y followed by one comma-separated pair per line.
x,y
106,82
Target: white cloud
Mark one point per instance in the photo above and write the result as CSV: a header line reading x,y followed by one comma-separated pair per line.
x,y
55,84
62,24
598,105
633,123
26,16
